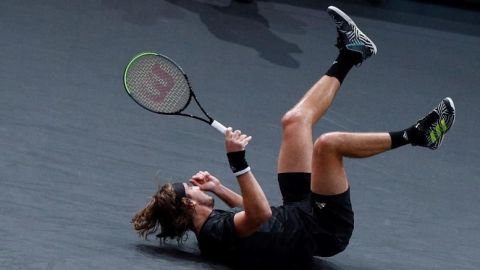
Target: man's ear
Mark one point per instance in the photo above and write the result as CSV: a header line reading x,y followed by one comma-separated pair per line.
x,y
189,203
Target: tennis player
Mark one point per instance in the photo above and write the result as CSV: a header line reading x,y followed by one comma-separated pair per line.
x,y
316,218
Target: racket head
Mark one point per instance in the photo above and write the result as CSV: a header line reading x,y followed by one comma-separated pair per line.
x,y
157,83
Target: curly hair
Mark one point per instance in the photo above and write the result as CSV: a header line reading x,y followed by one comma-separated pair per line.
x,y
173,219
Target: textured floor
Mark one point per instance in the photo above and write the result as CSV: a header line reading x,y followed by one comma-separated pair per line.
x,y
79,158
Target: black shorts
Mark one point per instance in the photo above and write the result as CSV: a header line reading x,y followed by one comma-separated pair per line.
x,y
332,214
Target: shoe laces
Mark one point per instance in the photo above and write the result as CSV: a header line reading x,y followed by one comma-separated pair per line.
x,y
427,121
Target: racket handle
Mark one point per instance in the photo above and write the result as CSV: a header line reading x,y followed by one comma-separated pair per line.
x,y
218,126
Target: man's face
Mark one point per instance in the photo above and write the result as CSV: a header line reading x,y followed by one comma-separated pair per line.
x,y
198,196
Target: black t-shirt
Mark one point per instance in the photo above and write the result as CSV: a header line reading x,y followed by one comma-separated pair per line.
x,y
285,237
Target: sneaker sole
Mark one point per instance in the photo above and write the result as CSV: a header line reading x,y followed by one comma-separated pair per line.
x,y
350,21
450,102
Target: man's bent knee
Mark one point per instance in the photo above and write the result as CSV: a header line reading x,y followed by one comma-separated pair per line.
x,y
295,117
328,143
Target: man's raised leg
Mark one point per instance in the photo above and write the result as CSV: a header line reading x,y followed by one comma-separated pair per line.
x,y
328,173
297,142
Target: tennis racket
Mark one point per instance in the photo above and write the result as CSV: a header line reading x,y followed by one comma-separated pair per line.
x,y
159,85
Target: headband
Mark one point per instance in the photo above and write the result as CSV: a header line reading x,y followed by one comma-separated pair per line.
x,y
179,189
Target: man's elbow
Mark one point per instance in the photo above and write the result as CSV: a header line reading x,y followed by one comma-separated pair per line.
x,y
268,214
263,216
247,223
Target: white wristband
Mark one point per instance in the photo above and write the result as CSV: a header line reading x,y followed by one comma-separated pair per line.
x,y
242,171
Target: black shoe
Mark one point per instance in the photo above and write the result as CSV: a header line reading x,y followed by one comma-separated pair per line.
x,y
350,37
433,127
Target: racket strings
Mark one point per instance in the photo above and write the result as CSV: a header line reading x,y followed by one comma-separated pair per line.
x,y
157,84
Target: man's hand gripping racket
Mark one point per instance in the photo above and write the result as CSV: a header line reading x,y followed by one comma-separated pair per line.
x,y
235,141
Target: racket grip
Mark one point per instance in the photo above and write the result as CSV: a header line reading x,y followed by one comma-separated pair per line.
x,y
218,126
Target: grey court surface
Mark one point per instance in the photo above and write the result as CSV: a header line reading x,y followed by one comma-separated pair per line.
x,y
78,157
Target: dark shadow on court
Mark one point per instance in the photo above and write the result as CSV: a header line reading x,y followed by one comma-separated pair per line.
x,y
462,16
178,255
146,13
242,24
169,251
456,16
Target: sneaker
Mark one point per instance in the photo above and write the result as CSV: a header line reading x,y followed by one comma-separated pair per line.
x,y
433,127
349,36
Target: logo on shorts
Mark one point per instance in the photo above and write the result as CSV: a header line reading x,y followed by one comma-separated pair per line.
x,y
320,205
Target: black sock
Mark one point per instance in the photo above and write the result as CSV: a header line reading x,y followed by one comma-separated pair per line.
x,y
403,137
342,65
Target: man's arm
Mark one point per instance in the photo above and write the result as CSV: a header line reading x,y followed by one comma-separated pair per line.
x,y
257,209
207,182
230,197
